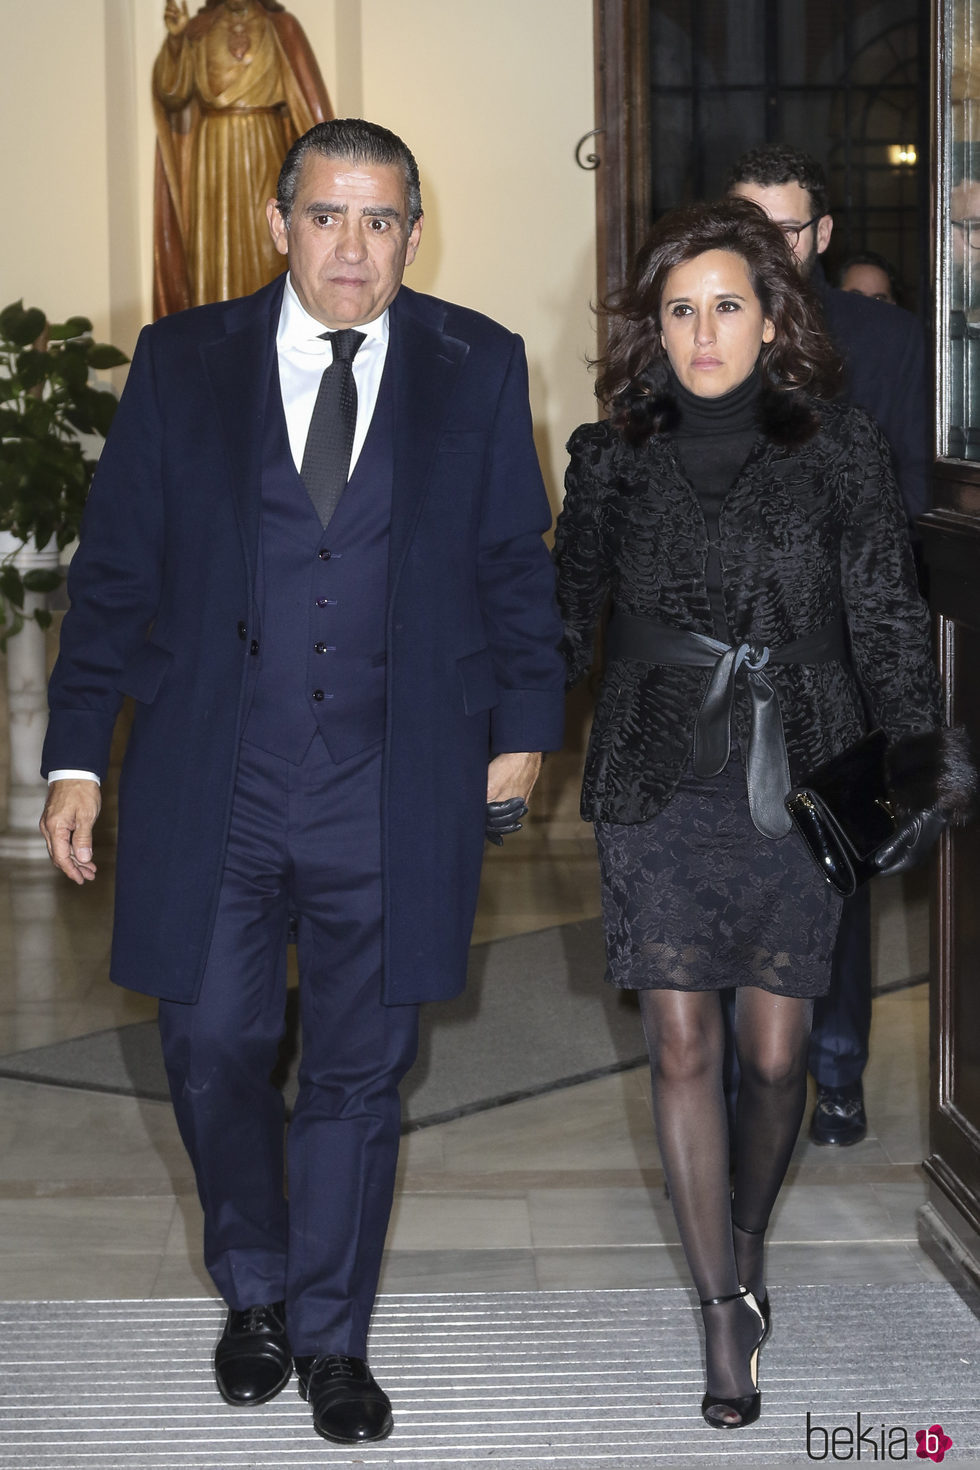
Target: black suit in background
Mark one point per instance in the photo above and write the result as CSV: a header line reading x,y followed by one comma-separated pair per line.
x,y
884,352
884,349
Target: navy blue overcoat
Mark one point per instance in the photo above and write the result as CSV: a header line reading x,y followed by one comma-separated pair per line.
x,y
164,579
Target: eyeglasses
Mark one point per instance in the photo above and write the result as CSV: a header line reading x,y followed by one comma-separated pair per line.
x,y
793,232
971,231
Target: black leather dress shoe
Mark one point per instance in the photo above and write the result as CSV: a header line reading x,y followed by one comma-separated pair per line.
x,y
348,1406
839,1116
252,1361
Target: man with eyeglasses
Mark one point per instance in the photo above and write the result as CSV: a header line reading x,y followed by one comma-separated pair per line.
x,y
964,228
963,440
883,349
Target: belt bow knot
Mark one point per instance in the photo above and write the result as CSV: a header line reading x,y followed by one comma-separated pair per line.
x,y
766,764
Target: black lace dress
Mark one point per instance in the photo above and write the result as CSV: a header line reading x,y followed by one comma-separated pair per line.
x,y
696,898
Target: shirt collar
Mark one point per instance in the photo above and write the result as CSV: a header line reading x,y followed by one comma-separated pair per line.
x,y
298,330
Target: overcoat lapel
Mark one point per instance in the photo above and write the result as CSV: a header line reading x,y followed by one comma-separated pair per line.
x,y
423,360
425,363
238,366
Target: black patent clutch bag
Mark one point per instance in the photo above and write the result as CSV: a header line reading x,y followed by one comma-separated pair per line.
x,y
843,813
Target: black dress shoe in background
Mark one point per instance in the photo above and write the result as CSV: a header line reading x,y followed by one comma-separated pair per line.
x,y
252,1361
839,1115
348,1406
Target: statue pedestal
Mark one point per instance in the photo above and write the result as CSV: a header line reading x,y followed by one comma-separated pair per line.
x,y
27,706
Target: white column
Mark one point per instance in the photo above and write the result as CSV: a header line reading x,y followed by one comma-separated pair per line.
x,y
27,706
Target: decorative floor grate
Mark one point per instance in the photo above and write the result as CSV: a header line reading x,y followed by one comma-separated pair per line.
x,y
568,1380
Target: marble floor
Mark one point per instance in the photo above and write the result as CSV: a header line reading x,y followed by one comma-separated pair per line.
x,y
562,1190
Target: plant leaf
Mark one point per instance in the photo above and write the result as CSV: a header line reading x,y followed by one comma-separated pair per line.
x,y
11,585
10,316
41,579
102,406
73,369
103,355
33,368
80,418
21,327
75,326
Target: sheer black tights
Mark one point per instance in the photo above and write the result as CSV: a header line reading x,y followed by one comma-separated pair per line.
x,y
685,1037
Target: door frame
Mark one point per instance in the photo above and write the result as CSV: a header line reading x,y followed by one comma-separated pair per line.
x,y
622,107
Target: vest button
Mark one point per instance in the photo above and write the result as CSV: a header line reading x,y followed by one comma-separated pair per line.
x,y
254,646
322,601
242,630
318,694
319,648
324,554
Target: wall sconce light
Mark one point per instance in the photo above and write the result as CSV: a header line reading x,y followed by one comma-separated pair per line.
x,y
901,155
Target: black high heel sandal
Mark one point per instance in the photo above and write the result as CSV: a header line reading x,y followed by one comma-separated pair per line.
x,y
762,1302
747,1406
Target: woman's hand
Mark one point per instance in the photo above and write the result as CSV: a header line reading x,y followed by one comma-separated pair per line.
x,y
912,843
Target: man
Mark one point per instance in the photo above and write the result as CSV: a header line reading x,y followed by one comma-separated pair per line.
x,y
326,700
963,434
870,274
884,359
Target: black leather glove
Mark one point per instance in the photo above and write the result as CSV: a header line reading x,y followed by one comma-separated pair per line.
x,y
504,817
912,843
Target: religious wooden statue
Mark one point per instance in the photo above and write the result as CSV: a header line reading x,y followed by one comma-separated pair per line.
x,y
233,87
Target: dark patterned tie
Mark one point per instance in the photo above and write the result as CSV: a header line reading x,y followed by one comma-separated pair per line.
x,y
326,458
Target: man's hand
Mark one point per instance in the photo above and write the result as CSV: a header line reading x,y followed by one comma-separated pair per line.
x,y
510,779
66,826
512,775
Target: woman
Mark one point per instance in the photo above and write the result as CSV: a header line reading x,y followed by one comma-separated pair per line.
x,y
747,531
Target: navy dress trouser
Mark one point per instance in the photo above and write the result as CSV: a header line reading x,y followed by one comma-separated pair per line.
x,y
842,1018
304,839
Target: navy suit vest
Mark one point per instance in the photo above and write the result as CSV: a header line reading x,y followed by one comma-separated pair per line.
x,y
321,597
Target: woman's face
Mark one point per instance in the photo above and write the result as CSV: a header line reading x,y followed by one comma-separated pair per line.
x,y
711,323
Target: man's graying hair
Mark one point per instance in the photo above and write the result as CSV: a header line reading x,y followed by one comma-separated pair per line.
x,y
776,163
355,141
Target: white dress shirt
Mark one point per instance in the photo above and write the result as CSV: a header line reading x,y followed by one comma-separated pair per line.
x,y
303,356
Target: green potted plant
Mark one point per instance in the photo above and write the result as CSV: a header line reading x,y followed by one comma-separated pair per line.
x,y
49,408
51,419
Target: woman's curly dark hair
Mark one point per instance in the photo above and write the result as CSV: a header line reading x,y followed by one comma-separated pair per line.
x,y
633,375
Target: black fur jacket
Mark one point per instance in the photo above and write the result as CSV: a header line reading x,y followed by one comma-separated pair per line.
x,y
813,528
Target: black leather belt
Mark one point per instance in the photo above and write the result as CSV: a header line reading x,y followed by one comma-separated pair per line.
x,y
767,767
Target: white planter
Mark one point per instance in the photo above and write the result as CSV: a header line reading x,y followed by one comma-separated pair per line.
x,y
27,704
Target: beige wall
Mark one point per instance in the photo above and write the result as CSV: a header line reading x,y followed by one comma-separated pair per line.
x,y
54,245
492,97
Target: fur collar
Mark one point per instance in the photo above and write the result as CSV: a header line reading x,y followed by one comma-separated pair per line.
x,y
788,419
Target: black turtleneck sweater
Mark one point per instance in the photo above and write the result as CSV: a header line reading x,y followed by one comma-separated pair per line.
x,y
712,442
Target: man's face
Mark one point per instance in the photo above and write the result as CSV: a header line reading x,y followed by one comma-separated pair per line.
x,y
868,280
789,205
348,240
964,210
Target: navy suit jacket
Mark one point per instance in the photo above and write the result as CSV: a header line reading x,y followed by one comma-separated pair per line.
x,y
165,573
884,353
